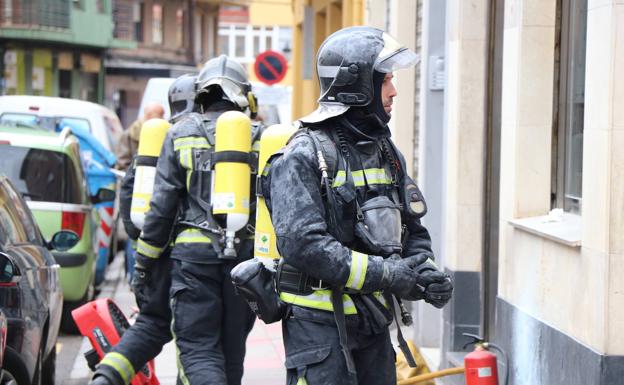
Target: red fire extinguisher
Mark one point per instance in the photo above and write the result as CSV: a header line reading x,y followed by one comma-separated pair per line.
x,y
481,364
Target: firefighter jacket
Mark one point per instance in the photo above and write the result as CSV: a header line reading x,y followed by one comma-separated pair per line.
x,y
298,211
181,198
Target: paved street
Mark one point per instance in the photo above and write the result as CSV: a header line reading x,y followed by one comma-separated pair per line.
x,y
264,363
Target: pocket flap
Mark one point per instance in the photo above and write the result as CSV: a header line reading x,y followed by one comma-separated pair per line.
x,y
309,356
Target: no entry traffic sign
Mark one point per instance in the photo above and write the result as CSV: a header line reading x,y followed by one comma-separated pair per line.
x,y
270,67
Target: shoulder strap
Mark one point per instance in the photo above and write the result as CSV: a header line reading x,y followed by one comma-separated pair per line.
x,y
324,143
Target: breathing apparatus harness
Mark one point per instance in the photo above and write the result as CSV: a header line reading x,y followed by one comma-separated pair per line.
x,y
205,162
367,230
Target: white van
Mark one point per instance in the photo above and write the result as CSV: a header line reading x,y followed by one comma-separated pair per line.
x,y
157,90
103,123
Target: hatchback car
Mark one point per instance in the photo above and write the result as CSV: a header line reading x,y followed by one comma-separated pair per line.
x,y
45,167
92,124
30,293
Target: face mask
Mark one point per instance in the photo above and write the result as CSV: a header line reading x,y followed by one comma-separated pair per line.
x,y
379,226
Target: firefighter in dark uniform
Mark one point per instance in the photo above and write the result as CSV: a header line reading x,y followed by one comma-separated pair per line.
x,y
347,220
210,323
145,338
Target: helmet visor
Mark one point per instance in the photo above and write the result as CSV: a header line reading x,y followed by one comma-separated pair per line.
x,y
394,56
232,90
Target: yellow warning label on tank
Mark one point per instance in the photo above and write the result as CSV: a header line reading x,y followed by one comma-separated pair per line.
x,y
262,242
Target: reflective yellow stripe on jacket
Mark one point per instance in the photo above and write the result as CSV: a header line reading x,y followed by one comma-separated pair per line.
x,y
361,177
192,236
357,273
185,147
120,364
148,250
320,299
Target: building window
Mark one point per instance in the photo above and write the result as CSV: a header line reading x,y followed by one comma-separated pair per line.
x,y
157,24
100,5
180,28
570,107
244,43
137,20
78,4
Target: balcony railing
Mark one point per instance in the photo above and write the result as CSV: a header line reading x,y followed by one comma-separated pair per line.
x,y
35,13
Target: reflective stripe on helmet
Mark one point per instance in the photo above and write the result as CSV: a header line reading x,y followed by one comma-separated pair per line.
x,y
320,299
357,273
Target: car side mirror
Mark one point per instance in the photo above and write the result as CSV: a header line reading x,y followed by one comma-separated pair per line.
x,y
63,240
103,195
9,272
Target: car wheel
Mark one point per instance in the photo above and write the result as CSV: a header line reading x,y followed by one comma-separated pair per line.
x,y
15,373
68,325
37,377
48,369
8,378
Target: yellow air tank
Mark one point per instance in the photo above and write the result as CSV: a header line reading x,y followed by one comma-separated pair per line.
x,y
152,137
273,138
232,175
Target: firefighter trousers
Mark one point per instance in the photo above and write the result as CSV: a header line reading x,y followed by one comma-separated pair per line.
x,y
210,323
314,355
151,330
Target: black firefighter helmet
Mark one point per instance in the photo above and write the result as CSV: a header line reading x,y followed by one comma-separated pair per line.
x,y
347,62
224,79
182,96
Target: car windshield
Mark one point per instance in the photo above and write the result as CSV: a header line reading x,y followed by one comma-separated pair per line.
x,y
41,175
47,122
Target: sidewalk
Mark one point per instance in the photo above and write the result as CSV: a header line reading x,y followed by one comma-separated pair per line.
x,y
264,362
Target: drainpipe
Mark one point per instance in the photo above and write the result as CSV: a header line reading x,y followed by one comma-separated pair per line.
x,y
191,5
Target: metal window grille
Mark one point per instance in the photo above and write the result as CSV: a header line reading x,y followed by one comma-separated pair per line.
x,y
35,13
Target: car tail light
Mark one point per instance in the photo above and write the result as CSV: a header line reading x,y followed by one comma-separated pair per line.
x,y
5,142
73,221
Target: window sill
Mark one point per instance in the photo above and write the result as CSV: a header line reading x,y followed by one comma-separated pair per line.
x,y
565,229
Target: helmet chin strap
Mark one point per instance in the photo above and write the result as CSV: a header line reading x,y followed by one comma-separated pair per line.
x,y
371,121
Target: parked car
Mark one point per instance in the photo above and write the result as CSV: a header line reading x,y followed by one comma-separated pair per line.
x,y
30,293
101,121
97,129
45,167
3,335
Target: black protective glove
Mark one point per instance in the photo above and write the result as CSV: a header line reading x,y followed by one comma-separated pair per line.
x,y
141,279
401,279
100,380
106,375
438,287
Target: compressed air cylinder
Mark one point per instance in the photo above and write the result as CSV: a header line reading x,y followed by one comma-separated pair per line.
x,y
232,175
152,137
273,138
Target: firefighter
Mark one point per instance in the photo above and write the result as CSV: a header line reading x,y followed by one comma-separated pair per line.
x,y
146,337
347,220
210,323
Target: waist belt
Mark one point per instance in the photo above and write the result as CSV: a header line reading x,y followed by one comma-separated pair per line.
x,y
291,280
